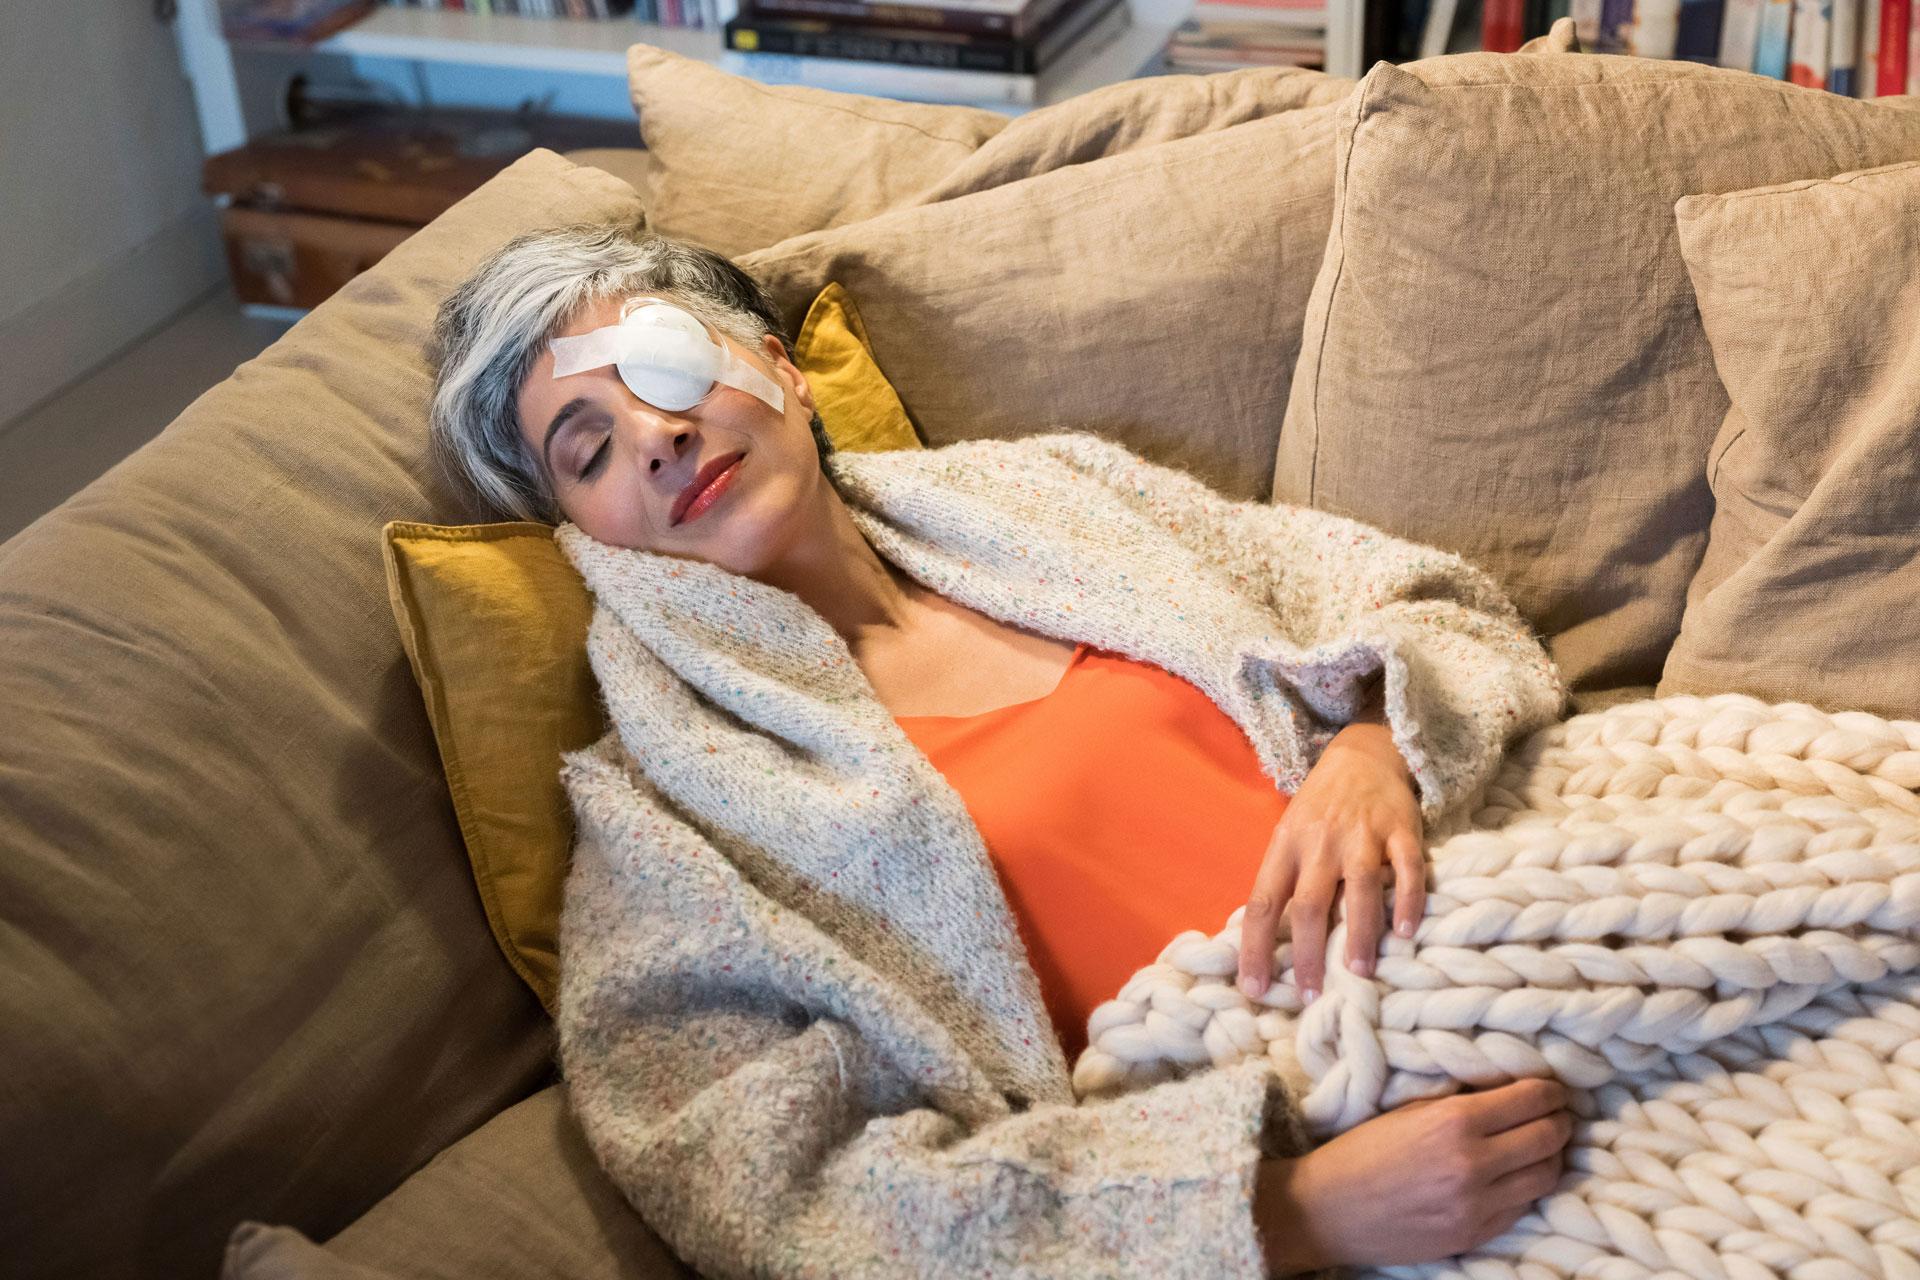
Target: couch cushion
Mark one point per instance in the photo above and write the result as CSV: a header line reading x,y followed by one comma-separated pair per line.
x,y
737,165
1810,589
1154,297
520,1197
246,970
1502,355
1131,114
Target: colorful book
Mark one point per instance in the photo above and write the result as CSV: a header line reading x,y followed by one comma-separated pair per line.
x,y
1868,72
948,50
1654,31
1913,52
1311,17
1770,52
1024,21
1502,23
1740,33
1890,76
1616,26
1699,38
1843,48
1812,31
1586,23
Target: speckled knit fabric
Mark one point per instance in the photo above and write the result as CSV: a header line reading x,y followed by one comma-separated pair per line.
x,y
795,1017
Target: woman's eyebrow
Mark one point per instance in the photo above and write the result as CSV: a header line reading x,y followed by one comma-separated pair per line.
x,y
567,411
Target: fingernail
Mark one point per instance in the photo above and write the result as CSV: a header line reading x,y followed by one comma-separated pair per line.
x,y
1362,968
1307,994
1404,928
1250,985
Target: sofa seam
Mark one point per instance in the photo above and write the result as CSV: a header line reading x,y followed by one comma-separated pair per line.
x,y
1333,290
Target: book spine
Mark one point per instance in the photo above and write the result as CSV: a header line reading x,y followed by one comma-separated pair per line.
x,y
1770,49
1913,53
852,13
1812,30
1843,48
1300,19
1586,23
1007,8
1656,29
1869,45
1616,23
1699,38
1740,34
1890,76
876,45
879,79
1028,20
1500,25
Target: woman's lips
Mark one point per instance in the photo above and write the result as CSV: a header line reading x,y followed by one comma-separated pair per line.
x,y
722,480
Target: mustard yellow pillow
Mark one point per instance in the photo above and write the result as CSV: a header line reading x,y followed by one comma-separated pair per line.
x,y
857,405
494,622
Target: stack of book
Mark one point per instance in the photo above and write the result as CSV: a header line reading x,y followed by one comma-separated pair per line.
x,y
1224,35
970,51
695,13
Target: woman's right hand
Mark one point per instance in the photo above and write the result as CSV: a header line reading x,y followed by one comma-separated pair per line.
x,y
1422,1182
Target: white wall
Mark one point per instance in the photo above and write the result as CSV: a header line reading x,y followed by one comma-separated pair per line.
x,y
103,230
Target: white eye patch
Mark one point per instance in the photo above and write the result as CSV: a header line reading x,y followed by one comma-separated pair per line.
x,y
666,356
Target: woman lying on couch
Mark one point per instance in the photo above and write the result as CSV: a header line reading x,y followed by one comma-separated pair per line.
x,y
917,755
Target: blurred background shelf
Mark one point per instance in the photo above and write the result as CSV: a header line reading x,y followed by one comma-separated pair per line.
x,y
467,58
499,40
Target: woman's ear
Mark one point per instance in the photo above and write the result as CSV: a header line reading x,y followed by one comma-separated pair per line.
x,y
776,353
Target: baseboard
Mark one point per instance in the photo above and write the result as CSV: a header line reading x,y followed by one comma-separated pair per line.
x,y
68,334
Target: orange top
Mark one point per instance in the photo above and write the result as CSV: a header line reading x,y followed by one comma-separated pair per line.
x,y
1119,810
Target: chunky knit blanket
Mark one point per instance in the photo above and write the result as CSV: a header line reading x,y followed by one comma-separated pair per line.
x,y
1698,913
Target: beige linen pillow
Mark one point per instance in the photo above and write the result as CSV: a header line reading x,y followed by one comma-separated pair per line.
x,y
1153,296
1131,114
737,165
1810,590
1502,355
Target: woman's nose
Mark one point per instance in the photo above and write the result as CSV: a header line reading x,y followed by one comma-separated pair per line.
x,y
664,447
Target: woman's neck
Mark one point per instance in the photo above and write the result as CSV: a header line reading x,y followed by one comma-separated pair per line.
x,y
835,570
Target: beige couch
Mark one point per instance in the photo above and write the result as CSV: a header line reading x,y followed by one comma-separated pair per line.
x,y
247,975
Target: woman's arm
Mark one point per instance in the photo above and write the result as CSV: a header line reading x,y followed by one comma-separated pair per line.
x,y
1462,672
763,1132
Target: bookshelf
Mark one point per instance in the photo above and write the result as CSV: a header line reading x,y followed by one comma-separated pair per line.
x,y
231,110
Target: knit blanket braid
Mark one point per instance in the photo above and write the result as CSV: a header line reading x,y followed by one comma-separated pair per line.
x,y
1701,915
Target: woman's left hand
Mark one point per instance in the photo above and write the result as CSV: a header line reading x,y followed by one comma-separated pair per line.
x,y
1355,813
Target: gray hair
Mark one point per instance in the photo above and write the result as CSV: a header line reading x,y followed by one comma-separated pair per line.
x,y
492,328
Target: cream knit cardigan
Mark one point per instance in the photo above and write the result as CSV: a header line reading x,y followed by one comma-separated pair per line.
x,y
795,1017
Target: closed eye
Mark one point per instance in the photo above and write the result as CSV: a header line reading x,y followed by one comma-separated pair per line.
x,y
593,463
